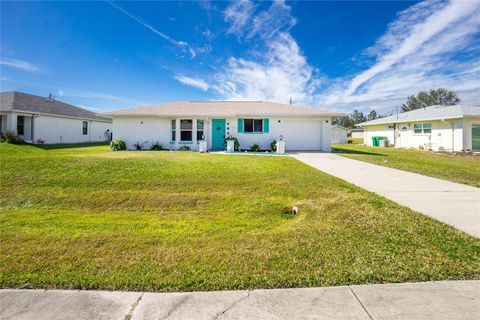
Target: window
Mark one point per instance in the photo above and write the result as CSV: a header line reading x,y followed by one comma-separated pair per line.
x,y
200,128
422,128
186,130
174,126
253,125
85,128
20,125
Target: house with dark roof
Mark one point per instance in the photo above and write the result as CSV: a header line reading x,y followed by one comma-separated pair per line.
x,y
437,128
47,120
196,123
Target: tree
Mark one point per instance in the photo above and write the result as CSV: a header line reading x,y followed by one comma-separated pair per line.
x,y
343,121
424,99
350,120
358,117
372,115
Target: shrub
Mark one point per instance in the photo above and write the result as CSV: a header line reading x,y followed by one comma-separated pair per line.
x,y
236,144
156,147
273,145
255,147
118,145
13,138
139,146
184,148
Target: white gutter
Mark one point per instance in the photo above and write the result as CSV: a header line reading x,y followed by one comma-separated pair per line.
x,y
56,115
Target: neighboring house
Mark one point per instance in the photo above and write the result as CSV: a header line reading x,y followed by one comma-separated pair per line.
x,y
434,128
357,133
179,124
46,120
339,134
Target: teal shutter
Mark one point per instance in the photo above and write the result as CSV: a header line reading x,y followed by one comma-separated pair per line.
x,y
240,125
266,125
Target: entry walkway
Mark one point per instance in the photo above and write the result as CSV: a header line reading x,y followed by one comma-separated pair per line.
x,y
452,203
427,300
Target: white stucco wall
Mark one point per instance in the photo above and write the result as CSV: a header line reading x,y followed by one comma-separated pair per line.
x,y
448,134
381,130
145,130
299,133
68,130
339,135
357,134
467,138
53,129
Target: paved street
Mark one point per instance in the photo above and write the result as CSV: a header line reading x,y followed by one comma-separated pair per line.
x,y
426,300
453,203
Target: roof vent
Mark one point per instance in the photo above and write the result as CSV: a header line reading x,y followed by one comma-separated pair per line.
x,y
50,97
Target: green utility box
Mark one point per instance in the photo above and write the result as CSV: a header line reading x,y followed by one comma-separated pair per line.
x,y
376,141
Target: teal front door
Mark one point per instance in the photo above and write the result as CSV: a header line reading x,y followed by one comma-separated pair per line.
x,y
218,134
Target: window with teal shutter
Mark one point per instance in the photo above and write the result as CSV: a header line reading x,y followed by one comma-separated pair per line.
x,y
240,125
266,125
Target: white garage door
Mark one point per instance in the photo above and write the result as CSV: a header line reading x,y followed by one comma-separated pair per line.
x,y
303,134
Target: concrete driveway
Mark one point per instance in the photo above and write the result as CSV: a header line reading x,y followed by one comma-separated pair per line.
x,y
452,203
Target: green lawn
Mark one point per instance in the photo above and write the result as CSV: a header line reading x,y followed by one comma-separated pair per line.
x,y
89,218
457,168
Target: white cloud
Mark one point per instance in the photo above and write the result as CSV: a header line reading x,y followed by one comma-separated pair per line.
x,y
20,65
431,44
276,70
283,74
238,15
420,50
197,83
268,23
418,35
149,27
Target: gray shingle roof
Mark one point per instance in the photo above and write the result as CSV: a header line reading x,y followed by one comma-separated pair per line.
x,y
223,108
429,113
19,101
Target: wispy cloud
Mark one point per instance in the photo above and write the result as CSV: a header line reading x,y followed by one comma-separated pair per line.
x,y
193,82
281,74
429,45
277,69
20,65
238,14
177,43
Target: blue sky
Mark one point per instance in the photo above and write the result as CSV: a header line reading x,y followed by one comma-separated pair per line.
x,y
340,55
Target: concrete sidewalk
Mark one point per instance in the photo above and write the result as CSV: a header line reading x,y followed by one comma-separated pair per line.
x,y
426,300
452,203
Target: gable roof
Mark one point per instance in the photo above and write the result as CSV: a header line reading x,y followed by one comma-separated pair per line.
x,y
341,127
429,113
223,108
29,103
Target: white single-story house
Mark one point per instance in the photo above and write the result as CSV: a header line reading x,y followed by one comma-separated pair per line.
x,y
339,134
46,120
357,133
432,128
179,124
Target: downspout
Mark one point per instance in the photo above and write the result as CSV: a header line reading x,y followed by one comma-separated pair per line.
x,y
32,129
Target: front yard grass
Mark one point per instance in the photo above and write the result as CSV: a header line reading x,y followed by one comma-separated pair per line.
x,y
456,168
89,218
